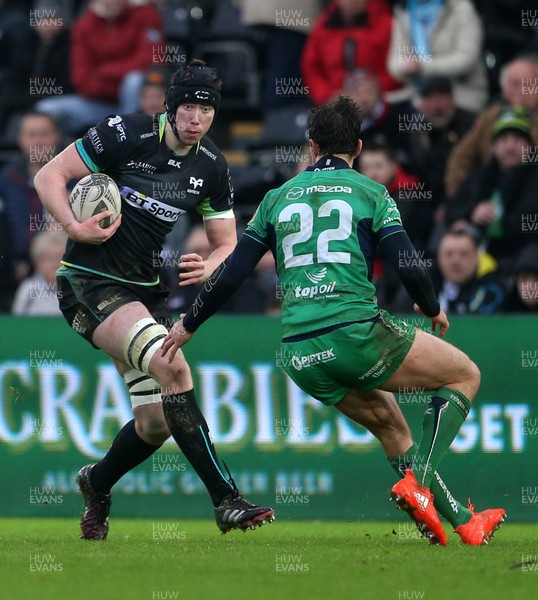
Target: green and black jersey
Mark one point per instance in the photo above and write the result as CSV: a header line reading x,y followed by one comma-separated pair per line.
x,y
323,227
157,186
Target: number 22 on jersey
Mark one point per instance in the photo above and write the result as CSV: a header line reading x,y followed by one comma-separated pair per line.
x,y
306,231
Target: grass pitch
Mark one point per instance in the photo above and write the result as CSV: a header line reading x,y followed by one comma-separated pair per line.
x,y
157,559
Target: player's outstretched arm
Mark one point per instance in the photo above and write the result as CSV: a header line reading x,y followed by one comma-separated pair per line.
x,y
50,183
222,284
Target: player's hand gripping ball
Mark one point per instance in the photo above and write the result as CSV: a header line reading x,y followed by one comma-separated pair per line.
x,y
93,194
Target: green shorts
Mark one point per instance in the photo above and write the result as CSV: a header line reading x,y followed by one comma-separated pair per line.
x,y
359,355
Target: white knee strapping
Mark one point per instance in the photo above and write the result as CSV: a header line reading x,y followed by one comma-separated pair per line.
x,y
142,389
143,340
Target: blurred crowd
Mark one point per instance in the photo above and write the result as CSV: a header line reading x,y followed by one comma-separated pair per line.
x,y
448,91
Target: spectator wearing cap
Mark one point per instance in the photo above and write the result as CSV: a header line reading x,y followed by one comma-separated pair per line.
x,y
523,296
500,197
519,87
440,37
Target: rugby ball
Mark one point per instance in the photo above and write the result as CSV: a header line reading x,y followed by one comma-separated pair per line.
x,y
93,194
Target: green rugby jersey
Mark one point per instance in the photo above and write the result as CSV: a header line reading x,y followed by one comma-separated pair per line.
x,y
323,227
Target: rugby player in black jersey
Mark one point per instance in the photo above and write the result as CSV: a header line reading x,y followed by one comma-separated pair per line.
x,y
109,285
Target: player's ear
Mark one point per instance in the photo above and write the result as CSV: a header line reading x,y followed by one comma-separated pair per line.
x,y
314,149
359,149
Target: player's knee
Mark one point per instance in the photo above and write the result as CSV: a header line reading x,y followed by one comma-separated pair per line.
x,y
469,378
171,376
154,428
474,376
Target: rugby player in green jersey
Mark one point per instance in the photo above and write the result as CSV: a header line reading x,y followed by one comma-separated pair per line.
x,y
109,280
323,228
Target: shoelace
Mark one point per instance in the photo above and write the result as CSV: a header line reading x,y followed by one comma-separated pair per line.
x,y
231,480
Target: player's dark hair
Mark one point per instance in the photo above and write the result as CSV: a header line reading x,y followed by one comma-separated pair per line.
x,y
335,126
186,75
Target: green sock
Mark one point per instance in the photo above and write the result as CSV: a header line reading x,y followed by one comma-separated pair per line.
x,y
403,461
444,502
442,421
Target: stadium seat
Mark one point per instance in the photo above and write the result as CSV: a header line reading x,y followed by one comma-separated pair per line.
x,y
226,24
243,134
251,183
186,20
235,62
284,126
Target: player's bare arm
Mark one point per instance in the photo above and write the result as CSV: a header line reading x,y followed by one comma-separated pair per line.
x,y
222,238
51,182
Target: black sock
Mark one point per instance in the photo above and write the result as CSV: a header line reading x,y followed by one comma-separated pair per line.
x,y
127,451
189,428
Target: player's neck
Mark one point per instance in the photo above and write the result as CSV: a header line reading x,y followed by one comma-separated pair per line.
x,y
176,146
345,157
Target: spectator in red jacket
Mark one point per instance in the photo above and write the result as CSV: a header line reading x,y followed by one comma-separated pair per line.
x,y
112,43
349,35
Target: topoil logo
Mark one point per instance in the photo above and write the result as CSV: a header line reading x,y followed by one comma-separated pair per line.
x,y
318,289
